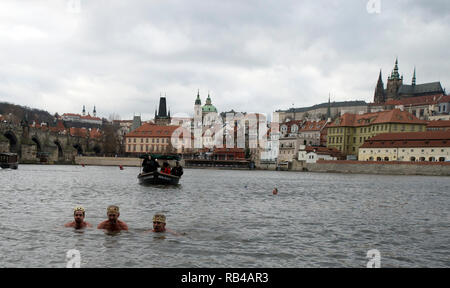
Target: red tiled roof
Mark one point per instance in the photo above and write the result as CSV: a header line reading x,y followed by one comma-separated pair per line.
x,y
409,139
89,117
78,132
152,130
445,99
95,133
390,116
71,114
313,126
439,123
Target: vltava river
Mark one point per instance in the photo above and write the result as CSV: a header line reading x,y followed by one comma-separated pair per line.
x,y
231,219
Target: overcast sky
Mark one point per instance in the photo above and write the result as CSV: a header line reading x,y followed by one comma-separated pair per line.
x,y
254,56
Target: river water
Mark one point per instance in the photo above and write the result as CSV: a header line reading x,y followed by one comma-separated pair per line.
x,y
231,219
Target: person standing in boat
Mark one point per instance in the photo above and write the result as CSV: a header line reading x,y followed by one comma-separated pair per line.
x,y
149,164
78,215
177,170
113,224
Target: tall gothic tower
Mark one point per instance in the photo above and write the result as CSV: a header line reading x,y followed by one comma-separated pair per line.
x,y
394,83
380,96
162,118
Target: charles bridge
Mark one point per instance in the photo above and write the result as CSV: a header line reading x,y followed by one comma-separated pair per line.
x,y
44,145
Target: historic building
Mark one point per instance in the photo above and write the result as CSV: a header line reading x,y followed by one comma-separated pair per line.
x,y
322,111
83,120
396,89
150,138
310,154
161,116
430,146
437,125
207,112
348,132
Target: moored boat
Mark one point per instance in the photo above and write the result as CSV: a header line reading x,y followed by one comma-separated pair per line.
x,y
9,160
158,178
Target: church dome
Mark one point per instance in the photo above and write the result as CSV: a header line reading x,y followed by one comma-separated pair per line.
x,y
208,107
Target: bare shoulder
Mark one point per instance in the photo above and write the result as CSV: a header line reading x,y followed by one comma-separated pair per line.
x,y
102,225
88,224
70,224
123,225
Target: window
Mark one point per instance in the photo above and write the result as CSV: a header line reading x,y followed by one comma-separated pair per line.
x,y
142,140
134,140
146,140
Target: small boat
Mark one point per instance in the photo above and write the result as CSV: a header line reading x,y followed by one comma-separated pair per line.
x,y
158,178
9,160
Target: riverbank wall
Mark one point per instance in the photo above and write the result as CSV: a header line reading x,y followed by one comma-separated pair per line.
x,y
115,161
386,168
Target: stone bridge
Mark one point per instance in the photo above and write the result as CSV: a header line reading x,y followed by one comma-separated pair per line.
x,y
36,145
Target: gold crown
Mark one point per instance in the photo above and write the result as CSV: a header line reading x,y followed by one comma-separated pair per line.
x,y
112,209
159,218
78,208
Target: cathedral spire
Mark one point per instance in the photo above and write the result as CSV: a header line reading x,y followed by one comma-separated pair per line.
x,y
414,77
379,96
84,110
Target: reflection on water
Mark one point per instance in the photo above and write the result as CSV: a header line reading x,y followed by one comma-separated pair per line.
x,y
231,219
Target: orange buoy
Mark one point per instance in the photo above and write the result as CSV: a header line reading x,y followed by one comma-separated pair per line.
x,y
121,167
82,165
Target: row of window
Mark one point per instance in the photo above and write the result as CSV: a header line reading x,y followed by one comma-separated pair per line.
x,y
384,127
154,140
147,148
403,150
412,159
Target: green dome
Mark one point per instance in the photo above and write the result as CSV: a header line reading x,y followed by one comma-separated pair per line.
x,y
209,108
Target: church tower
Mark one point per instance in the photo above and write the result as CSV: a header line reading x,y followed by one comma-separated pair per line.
x,y
380,96
198,106
84,111
394,83
94,112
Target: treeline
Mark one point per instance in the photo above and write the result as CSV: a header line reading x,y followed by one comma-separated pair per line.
x,y
19,113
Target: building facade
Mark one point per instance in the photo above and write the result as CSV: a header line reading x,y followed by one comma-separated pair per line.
x,y
430,146
349,132
150,138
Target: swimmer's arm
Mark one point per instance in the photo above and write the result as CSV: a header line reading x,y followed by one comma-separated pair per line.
x,y
174,232
101,226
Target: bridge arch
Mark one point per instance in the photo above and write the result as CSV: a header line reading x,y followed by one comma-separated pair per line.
x,y
79,148
35,139
60,150
97,149
13,143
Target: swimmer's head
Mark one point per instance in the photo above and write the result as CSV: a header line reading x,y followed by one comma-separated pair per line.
x,y
113,213
159,223
78,214
78,209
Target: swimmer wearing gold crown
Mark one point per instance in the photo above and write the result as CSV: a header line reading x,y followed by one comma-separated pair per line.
x,y
113,223
78,215
159,225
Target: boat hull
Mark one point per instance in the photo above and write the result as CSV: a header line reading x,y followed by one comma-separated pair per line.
x,y
157,178
9,165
